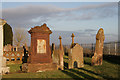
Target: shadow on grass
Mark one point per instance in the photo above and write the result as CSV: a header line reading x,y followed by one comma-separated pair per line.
x,y
112,59
87,63
86,76
105,77
72,75
65,65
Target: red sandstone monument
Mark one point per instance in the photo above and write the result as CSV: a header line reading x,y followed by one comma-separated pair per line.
x,y
40,48
40,54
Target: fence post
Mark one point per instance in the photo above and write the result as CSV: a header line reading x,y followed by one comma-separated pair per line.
x,y
109,48
115,48
92,50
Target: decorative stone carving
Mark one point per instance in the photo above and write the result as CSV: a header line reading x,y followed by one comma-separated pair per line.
x,y
41,46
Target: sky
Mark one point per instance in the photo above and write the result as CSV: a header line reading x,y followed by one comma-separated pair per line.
x,y
83,19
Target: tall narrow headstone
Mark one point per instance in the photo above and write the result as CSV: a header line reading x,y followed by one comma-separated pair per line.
x,y
61,54
98,54
53,48
58,55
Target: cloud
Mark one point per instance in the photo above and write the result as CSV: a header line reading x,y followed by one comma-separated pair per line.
x,y
31,15
90,30
27,14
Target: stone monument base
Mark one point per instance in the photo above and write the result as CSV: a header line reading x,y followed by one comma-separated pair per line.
x,y
38,67
97,60
5,70
3,67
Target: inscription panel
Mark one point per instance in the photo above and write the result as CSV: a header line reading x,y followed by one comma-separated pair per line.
x,y
41,46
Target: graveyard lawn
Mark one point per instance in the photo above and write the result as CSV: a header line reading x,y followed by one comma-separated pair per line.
x,y
108,70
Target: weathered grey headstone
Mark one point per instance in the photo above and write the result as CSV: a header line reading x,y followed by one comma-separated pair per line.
x,y
98,54
8,47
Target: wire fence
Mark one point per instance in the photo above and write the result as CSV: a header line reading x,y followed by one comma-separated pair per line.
x,y
111,48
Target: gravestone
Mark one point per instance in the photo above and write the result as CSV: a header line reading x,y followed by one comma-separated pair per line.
x,y
55,54
25,57
58,55
8,47
61,64
53,49
98,54
3,68
75,55
40,58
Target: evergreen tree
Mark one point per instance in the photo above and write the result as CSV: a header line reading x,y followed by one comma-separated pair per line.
x,y
8,34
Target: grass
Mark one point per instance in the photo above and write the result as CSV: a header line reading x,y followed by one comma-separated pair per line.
x,y
108,70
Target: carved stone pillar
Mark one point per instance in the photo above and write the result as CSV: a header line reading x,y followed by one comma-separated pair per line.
x,y
3,68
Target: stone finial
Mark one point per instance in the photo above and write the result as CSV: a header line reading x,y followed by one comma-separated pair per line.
x,y
72,38
60,42
2,21
60,37
72,35
44,24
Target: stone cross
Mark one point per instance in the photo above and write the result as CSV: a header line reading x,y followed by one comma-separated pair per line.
x,y
60,42
98,54
72,38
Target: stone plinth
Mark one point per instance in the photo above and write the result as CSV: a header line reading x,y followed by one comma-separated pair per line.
x,y
41,67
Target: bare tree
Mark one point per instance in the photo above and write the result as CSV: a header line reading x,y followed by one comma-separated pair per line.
x,y
20,37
